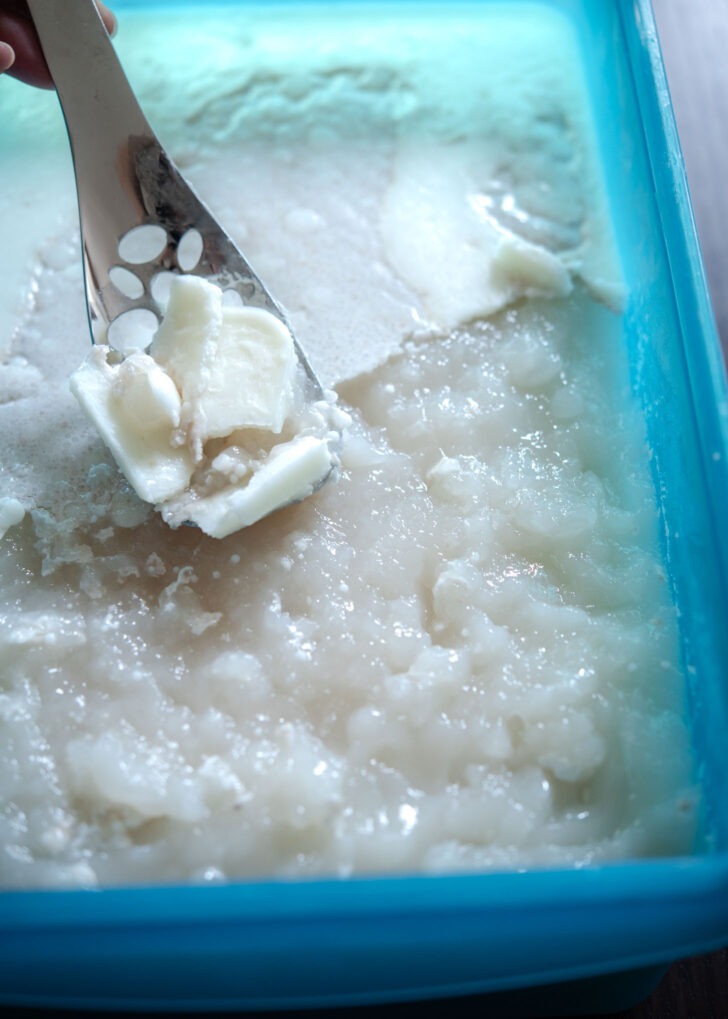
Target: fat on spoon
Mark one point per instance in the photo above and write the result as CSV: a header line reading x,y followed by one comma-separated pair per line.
x,y
139,218
140,223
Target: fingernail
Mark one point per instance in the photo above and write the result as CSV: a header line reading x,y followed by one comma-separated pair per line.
x,y
7,56
109,19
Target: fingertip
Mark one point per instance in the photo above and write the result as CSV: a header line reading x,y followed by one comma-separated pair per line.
x,y
108,18
22,57
7,56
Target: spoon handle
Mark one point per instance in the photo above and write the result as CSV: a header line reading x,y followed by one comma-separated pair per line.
x,y
101,111
106,129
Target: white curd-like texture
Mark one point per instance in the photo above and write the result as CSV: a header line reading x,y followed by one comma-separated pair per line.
x,y
462,655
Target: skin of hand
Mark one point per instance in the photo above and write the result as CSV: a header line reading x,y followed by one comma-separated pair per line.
x,y
20,52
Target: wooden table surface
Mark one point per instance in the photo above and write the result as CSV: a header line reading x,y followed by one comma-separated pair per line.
x,y
694,39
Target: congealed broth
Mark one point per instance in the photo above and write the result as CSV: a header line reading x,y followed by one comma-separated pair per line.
x,y
461,655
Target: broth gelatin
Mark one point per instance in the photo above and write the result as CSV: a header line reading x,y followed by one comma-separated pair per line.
x,y
464,654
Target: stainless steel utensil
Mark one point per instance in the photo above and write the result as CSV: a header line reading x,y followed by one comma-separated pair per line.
x,y
130,193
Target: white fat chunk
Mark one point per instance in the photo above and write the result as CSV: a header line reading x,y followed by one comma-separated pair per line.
x,y
12,512
234,367
530,267
139,443
148,398
292,472
250,381
184,344
212,373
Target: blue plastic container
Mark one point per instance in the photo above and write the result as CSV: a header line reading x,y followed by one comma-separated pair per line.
x,y
547,942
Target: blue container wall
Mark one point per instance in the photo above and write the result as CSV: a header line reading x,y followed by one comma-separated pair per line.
x,y
677,361
677,366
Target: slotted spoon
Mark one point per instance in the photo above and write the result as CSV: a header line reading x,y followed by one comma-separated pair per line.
x,y
128,185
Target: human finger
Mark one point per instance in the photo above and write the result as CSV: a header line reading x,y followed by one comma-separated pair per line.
x,y
22,56
108,17
17,32
7,56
